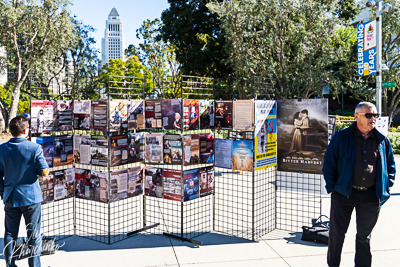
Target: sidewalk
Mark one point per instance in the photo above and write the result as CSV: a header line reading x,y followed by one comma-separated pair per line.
x,y
278,248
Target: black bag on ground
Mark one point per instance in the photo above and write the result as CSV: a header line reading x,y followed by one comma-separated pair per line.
x,y
318,232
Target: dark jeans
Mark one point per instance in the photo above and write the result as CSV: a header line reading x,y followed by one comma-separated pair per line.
x,y
367,211
32,216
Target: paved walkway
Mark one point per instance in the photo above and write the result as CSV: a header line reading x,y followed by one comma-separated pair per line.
x,y
278,248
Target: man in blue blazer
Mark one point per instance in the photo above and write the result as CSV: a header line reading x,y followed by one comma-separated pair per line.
x,y
21,162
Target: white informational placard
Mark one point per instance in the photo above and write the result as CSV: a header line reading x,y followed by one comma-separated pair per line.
x,y
382,125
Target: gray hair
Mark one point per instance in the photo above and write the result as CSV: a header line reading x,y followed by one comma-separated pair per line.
x,y
364,104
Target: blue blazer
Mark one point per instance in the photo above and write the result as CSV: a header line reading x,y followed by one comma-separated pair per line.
x,y
21,161
339,164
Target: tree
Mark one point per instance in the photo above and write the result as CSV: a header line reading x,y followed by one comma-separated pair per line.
x,y
83,58
197,37
291,41
120,73
159,58
34,33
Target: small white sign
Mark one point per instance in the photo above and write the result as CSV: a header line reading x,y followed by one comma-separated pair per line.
x,y
382,125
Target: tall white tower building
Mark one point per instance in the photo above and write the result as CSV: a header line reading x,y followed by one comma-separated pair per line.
x,y
113,44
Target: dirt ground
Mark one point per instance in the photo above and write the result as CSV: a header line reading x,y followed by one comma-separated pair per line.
x,y
5,135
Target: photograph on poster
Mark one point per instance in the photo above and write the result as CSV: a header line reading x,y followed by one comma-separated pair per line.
x,y
153,182
223,115
207,148
136,147
47,144
153,114
206,181
135,181
242,155
154,148
41,116
82,122
63,150
46,185
99,115
82,107
135,115
99,150
118,185
172,149
95,178
63,184
119,150
302,135
82,144
172,185
190,114
191,184
62,115
82,183
206,114
191,149
265,138
243,115
118,115
223,153
103,177
331,127
171,114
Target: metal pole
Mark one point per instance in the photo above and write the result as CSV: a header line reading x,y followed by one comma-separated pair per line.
x,y
379,57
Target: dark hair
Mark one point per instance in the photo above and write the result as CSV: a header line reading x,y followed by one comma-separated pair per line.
x,y
18,125
296,116
304,111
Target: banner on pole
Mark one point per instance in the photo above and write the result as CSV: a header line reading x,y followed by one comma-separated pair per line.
x,y
366,48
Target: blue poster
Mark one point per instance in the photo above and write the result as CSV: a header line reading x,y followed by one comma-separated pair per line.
x,y
366,48
223,153
191,184
48,148
242,157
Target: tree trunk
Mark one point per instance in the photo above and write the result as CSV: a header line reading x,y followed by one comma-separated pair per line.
x,y
2,122
14,100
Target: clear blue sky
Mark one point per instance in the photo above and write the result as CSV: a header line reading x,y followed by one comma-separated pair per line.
x,y
132,13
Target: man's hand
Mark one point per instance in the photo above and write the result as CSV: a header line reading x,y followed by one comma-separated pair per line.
x,y
45,172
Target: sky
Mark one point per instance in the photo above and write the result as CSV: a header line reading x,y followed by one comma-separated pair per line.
x,y
132,13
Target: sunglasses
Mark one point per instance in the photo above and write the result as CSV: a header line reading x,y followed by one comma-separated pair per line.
x,y
370,115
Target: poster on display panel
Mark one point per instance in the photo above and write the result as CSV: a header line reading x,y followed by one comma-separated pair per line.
x,y
42,116
82,183
153,182
62,115
223,153
191,149
206,181
243,115
191,184
206,114
63,184
99,150
207,148
82,144
136,147
171,114
190,114
98,185
153,148
99,115
302,130
265,134
172,149
118,185
153,114
172,185
119,150
82,115
46,185
63,150
242,155
118,115
135,181
135,115
47,144
223,115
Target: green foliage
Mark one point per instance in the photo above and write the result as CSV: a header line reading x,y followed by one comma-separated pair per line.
x,y
292,41
395,141
196,34
342,112
342,125
6,95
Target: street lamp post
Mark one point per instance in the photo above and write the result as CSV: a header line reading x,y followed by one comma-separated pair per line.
x,y
379,56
